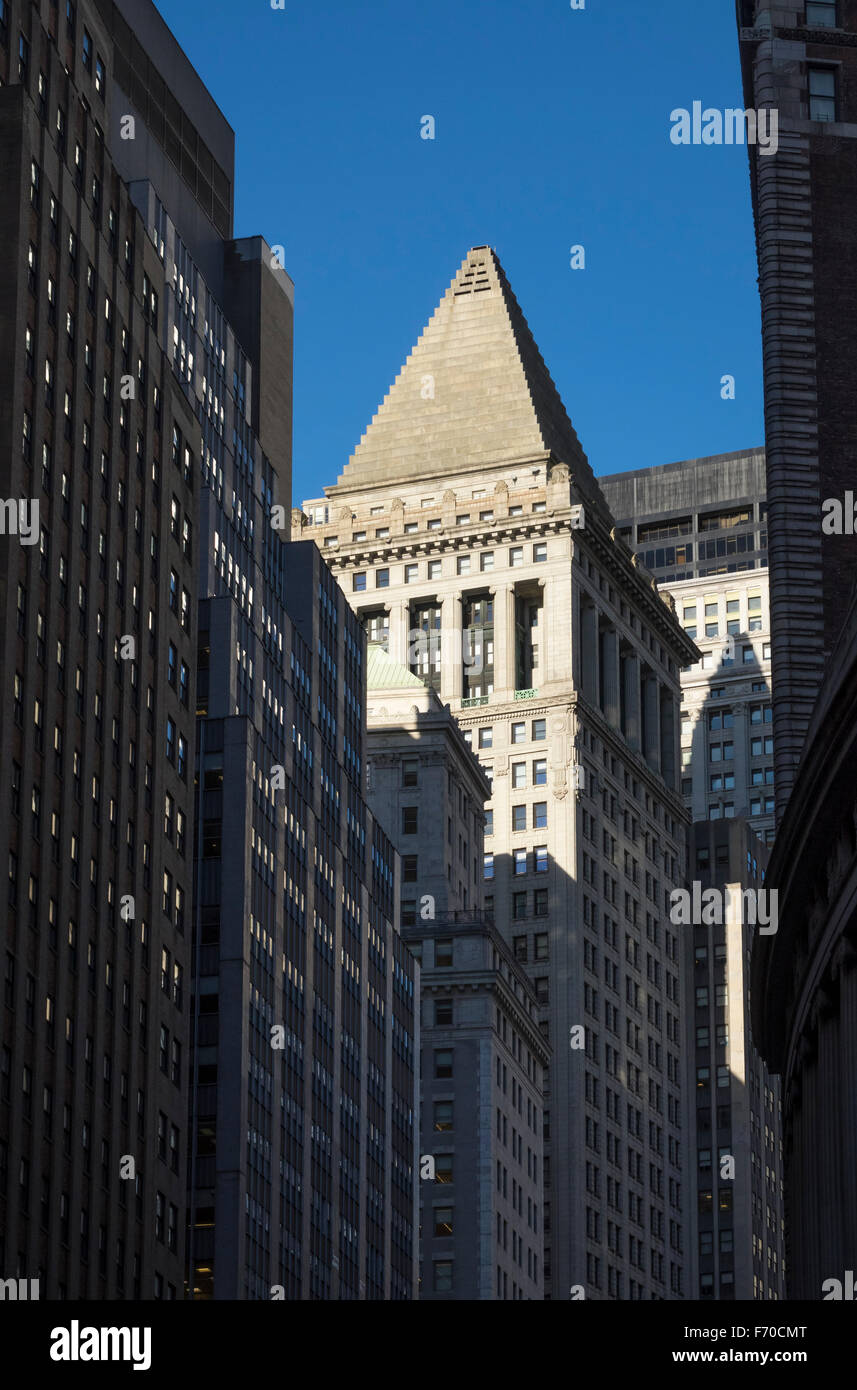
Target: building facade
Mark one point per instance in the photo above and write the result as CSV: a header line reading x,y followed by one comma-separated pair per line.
x,y
424,782
98,637
483,1060
307,1032
483,1056
700,527
209,1042
469,526
804,989
799,58
738,1118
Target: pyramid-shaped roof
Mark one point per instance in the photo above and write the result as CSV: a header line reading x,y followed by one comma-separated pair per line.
x,y
473,394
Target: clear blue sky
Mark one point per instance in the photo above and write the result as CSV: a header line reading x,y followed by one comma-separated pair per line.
x,y
552,129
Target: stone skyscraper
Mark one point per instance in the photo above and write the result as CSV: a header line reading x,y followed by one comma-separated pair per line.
x,y
468,525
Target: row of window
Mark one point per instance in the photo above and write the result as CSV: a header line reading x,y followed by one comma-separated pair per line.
x,y
521,862
434,567
518,733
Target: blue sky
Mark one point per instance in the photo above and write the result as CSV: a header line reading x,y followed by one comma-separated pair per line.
x,y
552,129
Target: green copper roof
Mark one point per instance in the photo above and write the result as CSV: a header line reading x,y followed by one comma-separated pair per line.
x,y
383,673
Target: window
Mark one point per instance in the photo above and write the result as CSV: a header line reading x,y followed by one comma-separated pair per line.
x,y
520,856
519,733
821,14
540,553
519,817
822,94
540,902
540,815
519,905
486,560
443,1063
443,1166
541,944
520,947
442,1012
486,738
409,820
516,556
442,1115
412,574
540,772
463,564
539,730
358,583
410,772
488,866
434,569
382,579
99,75
442,1227
519,775
443,953
541,859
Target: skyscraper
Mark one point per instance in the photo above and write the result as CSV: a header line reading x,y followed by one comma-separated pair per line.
x,y
468,521
230,916
798,57
97,662
700,528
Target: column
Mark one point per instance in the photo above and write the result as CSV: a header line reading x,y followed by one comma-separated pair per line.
x,y
399,641
589,650
651,722
451,649
630,677
504,641
668,737
609,638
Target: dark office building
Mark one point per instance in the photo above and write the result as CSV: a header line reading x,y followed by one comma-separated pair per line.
x,y
800,58
804,987
737,1143
696,518
238,931
304,1177
99,615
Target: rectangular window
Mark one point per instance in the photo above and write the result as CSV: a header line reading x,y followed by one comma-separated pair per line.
x,y
442,1115
540,553
539,730
516,556
443,1063
409,820
412,574
488,866
821,14
540,815
358,583
382,579
520,862
519,818
822,94
519,733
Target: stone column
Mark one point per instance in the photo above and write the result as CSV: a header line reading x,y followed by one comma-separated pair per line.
x,y
451,651
651,721
398,642
668,737
589,650
609,638
504,641
630,675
